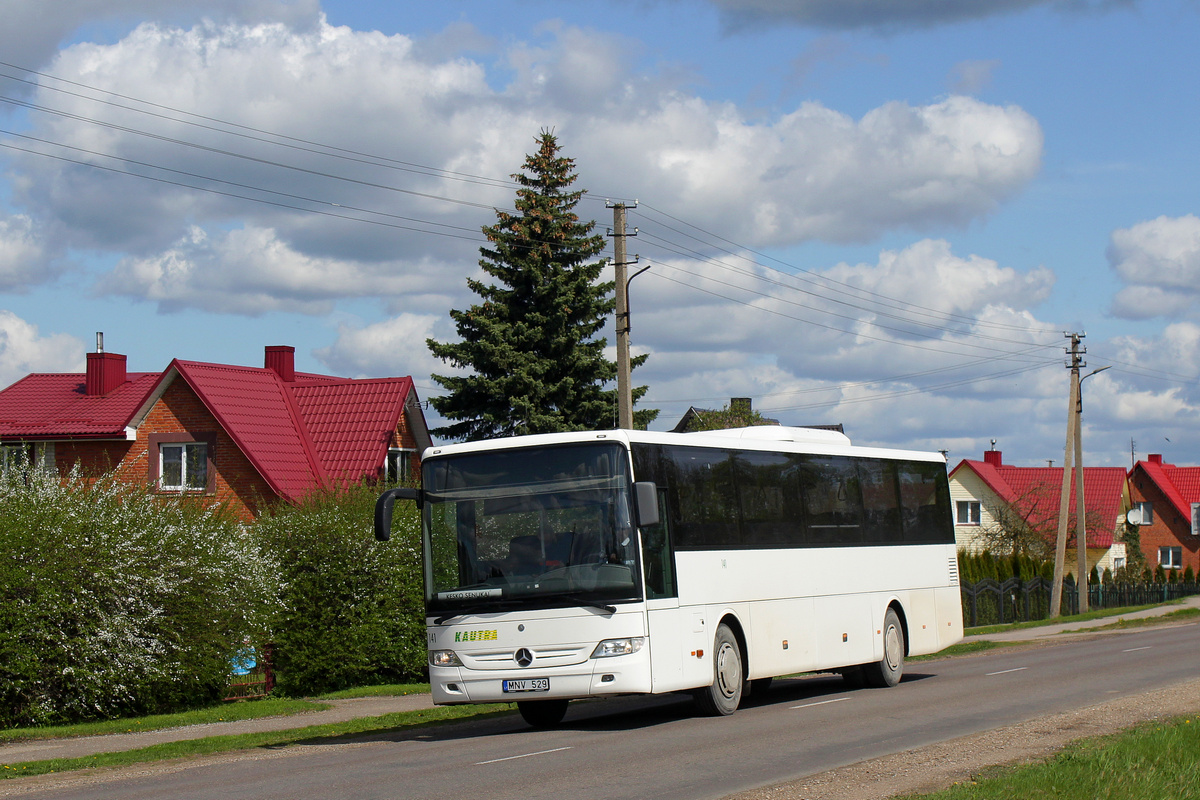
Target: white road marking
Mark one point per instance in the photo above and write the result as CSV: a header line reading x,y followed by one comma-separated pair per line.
x,y
822,702
1005,671
1135,649
523,755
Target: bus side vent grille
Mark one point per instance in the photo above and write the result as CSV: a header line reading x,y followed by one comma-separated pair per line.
x,y
954,570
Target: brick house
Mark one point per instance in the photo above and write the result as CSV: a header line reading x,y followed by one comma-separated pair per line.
x,y
1165,498
246,436
984,492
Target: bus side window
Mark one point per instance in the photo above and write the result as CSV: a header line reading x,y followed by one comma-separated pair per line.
x,y
656,554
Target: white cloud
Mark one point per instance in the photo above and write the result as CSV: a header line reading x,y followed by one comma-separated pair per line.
x,y
951,340
814,173
23,259
1159,261
23,350
251,271
31,32
395,346
819,174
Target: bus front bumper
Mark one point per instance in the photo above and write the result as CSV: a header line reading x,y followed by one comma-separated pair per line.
x,y
596,677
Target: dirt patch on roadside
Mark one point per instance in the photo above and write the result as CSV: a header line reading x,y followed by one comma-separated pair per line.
x,y
937,766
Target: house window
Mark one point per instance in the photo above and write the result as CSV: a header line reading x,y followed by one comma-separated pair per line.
x,y
967,512
400,464
183,466
12,457
1145,513
182,462
1170,557
38,456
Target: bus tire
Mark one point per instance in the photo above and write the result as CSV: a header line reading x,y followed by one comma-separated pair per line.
x,y
724,696
543,713
887,671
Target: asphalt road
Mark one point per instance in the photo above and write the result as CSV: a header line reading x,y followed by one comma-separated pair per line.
x,y
656,747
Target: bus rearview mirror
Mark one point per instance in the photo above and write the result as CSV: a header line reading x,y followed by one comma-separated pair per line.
x,y
383,509
646,496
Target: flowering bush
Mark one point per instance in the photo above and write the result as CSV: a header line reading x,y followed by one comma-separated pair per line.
x,y
349,609
117,601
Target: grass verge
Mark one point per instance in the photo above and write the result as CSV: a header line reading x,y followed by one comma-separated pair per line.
x,y
983,630
1174,616
962,649
383,690
229,712
1149,762
313,734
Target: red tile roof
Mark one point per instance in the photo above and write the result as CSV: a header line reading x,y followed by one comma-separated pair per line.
x,y
1180,485
351,421
1037,492
298,434
257,410
54,405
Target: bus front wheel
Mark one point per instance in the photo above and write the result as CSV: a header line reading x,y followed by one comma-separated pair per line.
x,y
543,713
725,694
887,671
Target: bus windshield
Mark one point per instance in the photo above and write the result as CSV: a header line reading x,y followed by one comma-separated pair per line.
x,y
529,528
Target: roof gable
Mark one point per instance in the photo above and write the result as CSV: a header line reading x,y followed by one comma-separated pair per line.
x,y
1180,485
256,409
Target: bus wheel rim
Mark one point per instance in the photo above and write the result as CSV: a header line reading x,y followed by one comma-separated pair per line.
x,y
891,647
728,673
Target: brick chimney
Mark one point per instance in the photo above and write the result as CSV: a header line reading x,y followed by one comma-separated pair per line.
x,y
281,359
992,457
1155,458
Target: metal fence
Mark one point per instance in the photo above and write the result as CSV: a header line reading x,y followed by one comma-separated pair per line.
x,y
992,602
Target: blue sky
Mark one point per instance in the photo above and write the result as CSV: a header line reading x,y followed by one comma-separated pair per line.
x,y
879,214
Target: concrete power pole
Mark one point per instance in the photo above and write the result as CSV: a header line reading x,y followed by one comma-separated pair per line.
x,y
1060,545
1081,574
624,389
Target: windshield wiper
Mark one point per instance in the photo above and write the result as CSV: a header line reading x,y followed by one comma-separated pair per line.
x,y
583,601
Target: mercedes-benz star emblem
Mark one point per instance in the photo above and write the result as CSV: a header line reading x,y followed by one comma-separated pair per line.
x,y
524,657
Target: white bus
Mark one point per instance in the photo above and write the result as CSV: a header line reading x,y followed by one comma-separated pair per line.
x,y
575,565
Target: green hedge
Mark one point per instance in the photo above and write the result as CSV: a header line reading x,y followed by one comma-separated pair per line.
x,y
116,601
119,601
349,610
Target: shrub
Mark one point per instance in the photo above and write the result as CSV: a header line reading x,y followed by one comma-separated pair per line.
x,y
117,601
350,610
1189,575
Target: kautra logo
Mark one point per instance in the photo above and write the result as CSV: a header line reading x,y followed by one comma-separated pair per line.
x,y
474,636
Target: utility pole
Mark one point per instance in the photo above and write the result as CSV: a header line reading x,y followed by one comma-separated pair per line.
x,y
624,390
1060,545
1074,443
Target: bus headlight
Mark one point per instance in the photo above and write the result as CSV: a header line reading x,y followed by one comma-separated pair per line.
x,y
444,658
618,647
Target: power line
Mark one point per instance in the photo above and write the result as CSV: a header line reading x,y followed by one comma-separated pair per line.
x,y
815,277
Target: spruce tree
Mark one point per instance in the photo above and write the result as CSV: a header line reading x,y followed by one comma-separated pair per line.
x,y
537,364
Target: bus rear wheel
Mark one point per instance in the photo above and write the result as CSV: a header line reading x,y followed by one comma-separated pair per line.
x,y
724,696
887,671
543,713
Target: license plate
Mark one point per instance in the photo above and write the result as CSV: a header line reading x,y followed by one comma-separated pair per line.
x,y
527,685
